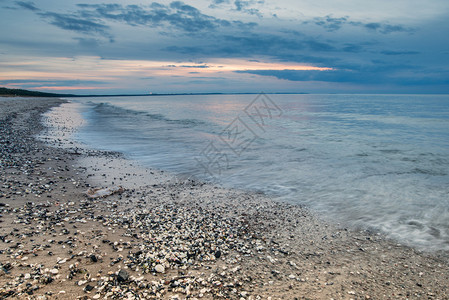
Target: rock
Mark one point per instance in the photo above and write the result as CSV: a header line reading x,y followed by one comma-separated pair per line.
x,y
218,254
45,279
62,261
159,268
81,282
88,288
93,258
54,271
122,276
104,192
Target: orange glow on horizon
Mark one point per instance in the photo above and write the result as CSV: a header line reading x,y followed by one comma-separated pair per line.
x,y
109,73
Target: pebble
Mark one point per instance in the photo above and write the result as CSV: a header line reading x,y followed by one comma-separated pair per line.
x,y
159,268
88,288
122,276
62,261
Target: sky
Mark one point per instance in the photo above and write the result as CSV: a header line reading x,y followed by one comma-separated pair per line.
x,y
312,46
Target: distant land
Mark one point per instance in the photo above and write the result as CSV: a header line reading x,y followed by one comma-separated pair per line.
x,y
19,92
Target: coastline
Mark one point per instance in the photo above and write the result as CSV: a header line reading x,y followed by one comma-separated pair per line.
x,y
164,237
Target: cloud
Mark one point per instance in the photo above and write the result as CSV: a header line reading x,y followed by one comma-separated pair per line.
x,y
177,14
389,52
199,67
294,75
353,48
75,23
218,2
188,18
27,5
376,74
245,6
316,45
331,24
90,19
189,66
385,28
244,25
88,42
253,45
37,82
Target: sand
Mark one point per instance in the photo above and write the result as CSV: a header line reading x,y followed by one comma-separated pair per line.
x,y
164,237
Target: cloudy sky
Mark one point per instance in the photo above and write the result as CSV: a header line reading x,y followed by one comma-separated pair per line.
x,y
137,46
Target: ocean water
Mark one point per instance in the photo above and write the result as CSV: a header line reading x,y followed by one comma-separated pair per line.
x,y
378,162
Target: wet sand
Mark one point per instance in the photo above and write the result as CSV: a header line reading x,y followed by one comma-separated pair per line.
x,y
168,238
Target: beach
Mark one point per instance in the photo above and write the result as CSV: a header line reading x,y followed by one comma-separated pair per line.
x,y
161,236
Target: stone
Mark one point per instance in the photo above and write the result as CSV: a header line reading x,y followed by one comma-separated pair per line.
x,y
159,268
122,276
54,271
88,288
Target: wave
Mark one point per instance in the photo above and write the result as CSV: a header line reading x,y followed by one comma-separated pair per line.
x,y
108,110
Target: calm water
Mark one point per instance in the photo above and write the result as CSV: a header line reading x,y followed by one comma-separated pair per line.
x,y
374,161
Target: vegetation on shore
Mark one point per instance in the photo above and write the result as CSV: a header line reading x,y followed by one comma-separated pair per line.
x,y
20,92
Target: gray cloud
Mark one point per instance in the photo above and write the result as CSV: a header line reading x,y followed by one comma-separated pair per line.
x,y
385,28
27,5
90,18
330,23
245,6
177,15
32,82
353,48
217,2
253,44
389,52
374,74
189,66
88,42
75,23
195,66
333,24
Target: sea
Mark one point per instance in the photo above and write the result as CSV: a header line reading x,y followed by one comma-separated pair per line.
x,y
374,162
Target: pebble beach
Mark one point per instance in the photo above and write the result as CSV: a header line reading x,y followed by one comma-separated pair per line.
x,y
77,223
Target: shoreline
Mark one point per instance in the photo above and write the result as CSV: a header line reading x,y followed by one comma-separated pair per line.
x,y
163,237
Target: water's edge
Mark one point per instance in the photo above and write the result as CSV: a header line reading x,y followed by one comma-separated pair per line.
x,y
411,230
